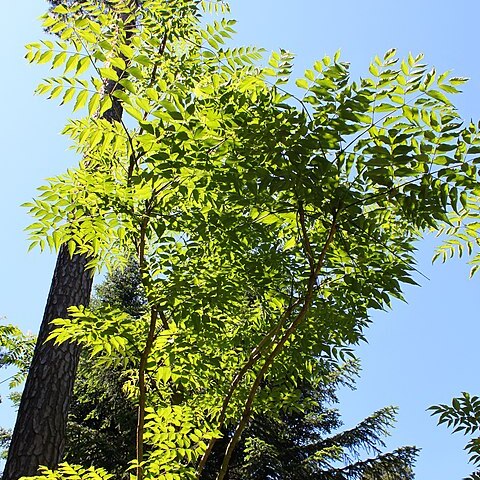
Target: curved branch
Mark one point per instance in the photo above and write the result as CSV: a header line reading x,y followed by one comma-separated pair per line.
x,y
255,355
277,350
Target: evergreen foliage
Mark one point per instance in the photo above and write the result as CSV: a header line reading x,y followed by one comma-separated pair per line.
x,y
309,445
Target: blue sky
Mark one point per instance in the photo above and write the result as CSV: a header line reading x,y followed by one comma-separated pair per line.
x,y
419,353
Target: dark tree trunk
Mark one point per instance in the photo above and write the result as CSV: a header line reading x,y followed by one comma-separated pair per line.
x,y
39,434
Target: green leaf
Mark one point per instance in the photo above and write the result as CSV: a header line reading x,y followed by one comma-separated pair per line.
x,y
127,50
130,86
438,96
60,9
83,65
45,57
71,247
122,96
118,63
87,35
137,114
81,100
94,103
302,83
109,73
69,94
59,59
373,70
290,243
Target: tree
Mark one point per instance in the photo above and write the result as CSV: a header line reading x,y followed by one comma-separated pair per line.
x,y
39,434
265,225
44,406
101,427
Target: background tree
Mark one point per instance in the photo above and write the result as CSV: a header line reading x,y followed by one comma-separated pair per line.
x,y
311,445
16,349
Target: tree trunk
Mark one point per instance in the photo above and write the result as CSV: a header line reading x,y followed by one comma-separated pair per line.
x,y
39,434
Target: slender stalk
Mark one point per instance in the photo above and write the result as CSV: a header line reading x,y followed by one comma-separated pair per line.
x,y
142,391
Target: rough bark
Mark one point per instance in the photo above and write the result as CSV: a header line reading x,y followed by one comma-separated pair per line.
x,y
39,434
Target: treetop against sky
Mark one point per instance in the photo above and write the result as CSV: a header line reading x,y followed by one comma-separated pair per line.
x,y
425,335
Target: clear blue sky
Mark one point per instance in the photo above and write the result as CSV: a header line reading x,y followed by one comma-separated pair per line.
x,y
418,354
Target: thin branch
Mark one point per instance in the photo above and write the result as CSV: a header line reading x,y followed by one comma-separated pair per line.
x,y
255,355
142,392
7,379
164,320
161,50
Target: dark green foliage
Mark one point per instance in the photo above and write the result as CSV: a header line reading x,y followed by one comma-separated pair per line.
x,y
122,289
101,422
309,445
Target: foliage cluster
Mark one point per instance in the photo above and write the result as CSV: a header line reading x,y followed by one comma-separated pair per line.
x,y
265,225
101,426
289,446
16,350
464,416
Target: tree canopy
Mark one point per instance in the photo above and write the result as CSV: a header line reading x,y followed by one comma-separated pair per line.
x,y
267,224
